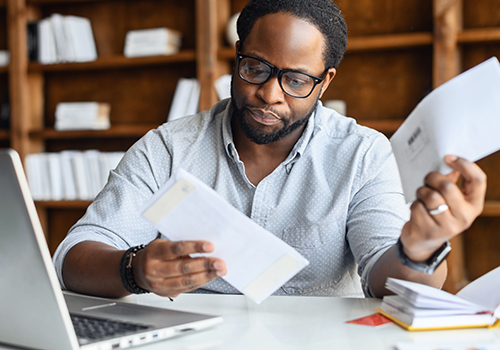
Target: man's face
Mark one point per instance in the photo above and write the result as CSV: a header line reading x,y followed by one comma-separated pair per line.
x,y
265,112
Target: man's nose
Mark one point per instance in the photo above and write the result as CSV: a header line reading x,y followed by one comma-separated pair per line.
x,y
271,92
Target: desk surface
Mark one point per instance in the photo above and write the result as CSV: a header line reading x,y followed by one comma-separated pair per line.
x,y
285,322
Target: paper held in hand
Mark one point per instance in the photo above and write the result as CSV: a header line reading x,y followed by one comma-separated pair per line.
x,y
461,117
258,262
420,307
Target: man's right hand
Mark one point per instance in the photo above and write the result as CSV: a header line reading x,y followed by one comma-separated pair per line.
x,y
165,267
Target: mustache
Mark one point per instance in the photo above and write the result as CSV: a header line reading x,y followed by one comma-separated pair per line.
x,y
265,109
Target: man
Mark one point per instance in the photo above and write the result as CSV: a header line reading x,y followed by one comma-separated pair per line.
x,y
323,184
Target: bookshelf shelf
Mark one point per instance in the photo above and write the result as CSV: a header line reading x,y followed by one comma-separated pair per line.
x,y
369,43
42,2
482,35
4,135
491,208
4,69
117,131
112,62
393,41
63,204
388,126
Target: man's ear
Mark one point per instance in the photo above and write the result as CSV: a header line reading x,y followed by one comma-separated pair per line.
x,y
327,80
237,46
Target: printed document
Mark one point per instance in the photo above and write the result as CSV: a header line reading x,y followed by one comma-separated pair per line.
x,y
460,117
258,262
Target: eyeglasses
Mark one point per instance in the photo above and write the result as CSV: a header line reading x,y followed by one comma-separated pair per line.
x,y
293,83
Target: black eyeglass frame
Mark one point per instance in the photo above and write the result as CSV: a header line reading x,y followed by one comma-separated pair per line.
x,y
279,72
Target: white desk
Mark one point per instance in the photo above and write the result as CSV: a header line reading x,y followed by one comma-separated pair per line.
x,y
295,323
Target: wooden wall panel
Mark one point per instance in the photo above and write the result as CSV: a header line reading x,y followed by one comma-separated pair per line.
x,y
112,19
378,85
491,166
3,29
482,247
372,17
141,96
481,13
103,144
59,223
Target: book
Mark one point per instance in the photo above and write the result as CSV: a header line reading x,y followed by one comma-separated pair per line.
x,y
70,174
420,307
4,58
223,86
46,43
152,42
82,116
185,100
5,113
56,22
79,38
32,39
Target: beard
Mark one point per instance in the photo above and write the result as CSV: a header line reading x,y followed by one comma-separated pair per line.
x,y
261,137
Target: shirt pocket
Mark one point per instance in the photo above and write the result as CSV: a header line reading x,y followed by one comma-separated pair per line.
x,y
325,247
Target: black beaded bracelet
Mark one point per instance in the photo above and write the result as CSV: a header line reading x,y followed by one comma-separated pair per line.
x,y
127,273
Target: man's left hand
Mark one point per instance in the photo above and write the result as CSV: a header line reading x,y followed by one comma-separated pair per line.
x,y
429,228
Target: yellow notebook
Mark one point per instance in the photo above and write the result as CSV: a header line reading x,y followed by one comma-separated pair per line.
x,y
420,307
435,327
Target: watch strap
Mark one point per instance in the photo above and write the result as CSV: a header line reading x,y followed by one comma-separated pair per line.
x,y
430,265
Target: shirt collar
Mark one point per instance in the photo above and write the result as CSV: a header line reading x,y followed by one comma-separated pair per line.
x,y
297,150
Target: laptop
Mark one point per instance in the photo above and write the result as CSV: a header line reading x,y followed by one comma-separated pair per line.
x,y
35,313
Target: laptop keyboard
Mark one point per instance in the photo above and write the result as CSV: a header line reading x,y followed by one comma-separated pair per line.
x,y
90,328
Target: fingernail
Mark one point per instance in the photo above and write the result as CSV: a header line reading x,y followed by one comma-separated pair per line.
x,y
207,247
218,265
220,273
451,158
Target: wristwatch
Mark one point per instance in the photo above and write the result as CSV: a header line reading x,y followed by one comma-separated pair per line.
x,y
429,266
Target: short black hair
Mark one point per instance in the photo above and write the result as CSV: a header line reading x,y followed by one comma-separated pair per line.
x,y
323,14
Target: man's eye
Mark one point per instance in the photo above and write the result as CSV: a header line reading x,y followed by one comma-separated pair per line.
x,y
296,82
255,70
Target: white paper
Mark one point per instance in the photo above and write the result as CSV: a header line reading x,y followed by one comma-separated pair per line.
x,y
461,117
484,291
450,345
257,262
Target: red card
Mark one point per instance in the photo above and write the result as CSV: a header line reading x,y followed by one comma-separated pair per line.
x,y
371,320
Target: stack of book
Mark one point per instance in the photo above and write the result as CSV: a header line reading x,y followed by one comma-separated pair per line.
x,y
69,175
186,98
59,38
420,307
152,42
82,116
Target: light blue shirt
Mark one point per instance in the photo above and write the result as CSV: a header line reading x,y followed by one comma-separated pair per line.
x,y
337,197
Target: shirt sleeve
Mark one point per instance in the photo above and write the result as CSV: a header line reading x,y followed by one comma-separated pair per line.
x,y
113,217
377,211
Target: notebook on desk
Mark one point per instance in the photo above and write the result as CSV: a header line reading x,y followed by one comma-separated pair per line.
x,y
37,314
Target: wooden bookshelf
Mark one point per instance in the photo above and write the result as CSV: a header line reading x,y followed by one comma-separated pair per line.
x,y
63,204
481,35
398,52
115,62
491,209
116,131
